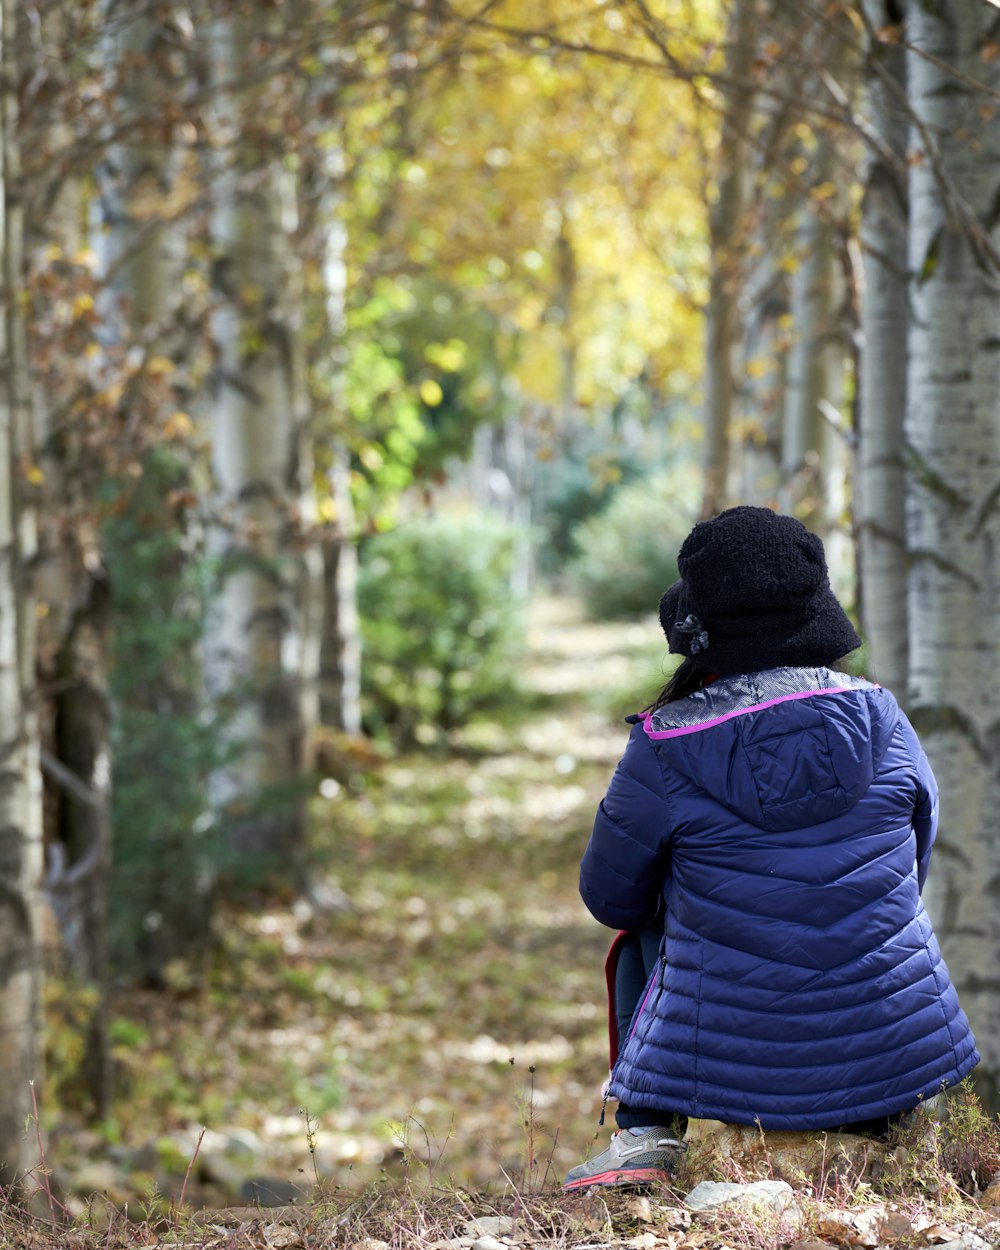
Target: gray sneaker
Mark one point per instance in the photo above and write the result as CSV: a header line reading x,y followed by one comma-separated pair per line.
x,y
633,1157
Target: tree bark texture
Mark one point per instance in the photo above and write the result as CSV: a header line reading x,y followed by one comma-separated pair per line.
x,y
339,678
254,650
813,458
727,237
880,494
953,427
340,666
769,213
21,853
141,267
804,442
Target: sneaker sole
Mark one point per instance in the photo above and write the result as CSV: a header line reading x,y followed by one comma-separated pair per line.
x,y
620,1177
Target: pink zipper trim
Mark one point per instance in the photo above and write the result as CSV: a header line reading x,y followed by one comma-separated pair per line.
x,y
642,1007
741,711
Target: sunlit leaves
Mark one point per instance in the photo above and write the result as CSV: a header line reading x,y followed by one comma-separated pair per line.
x,y
527,155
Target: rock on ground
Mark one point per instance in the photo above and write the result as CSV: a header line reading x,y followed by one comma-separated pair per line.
x,y
778,1195
746,1152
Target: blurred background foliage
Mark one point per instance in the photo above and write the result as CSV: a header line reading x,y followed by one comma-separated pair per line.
x,y
439,624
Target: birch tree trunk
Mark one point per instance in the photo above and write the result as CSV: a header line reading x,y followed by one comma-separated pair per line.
x,y
134,180
255,640
764,305
726,227
813,459
20,777
140,242
763,389
880,496
340,641
953,426
804,443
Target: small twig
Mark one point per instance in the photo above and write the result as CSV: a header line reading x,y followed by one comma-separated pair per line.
x,y
311,1141
531,1126
43,1170
67,780
190,1167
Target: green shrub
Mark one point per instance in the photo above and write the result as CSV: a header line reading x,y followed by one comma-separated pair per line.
x,y
165,848
438,622
577,484
627,555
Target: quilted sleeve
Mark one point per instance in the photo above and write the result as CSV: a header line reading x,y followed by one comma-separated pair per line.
x,y
621,875
925,811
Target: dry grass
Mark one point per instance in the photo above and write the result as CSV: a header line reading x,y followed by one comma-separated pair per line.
x,y
335,1037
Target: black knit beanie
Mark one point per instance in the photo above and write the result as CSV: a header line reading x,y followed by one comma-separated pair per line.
x,y
754,594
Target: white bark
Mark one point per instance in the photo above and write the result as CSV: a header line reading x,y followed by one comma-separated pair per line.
x,y
763,390
254,649
805,443
953,519
765,297
880,496
727,242
340,646
813,456
141,245
20,776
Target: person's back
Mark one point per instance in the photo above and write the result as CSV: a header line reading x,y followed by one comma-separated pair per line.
x,y
779,816
813,990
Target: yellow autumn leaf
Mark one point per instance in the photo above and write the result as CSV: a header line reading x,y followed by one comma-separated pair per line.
x,y
759,366
327,509
160,366
178,426
82,304
35,475
431,392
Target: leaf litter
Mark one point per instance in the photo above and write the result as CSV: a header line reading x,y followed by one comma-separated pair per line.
x,y
449,1015
418,1063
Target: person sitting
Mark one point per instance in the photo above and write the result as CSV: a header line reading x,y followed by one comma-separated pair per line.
x,y
763,844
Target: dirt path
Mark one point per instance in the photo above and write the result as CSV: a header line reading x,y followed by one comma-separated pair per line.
x,y
476,945
402,1030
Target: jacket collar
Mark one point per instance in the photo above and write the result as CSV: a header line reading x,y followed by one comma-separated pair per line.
x,y
745,692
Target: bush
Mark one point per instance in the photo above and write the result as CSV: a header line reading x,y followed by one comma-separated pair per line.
x,y
165,850
577,484
438,622
627,556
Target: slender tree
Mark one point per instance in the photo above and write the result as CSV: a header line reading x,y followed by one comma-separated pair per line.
x,y
255,645
880,489
324,236
139,271
953,430
764,299
812,458
20,776
727,236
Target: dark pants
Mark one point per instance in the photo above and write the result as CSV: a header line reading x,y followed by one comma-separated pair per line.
x,y
638,958
640,954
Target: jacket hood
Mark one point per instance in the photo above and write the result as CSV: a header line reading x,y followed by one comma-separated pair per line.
x,y
784,748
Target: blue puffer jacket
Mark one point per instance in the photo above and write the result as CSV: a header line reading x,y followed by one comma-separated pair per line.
x,y
784,819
